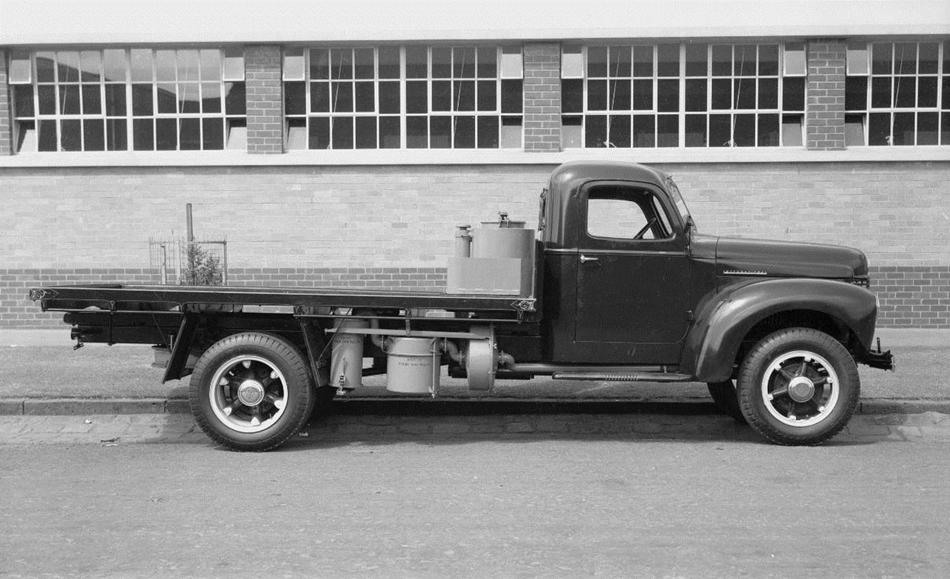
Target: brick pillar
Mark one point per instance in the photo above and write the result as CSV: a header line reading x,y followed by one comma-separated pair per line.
x,y
265,109
6,115
542,97
824,94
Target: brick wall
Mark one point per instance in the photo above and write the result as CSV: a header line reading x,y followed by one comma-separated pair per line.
x,y
542,97
6,114
824,94
265,111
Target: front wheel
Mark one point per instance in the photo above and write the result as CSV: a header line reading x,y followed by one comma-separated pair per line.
x,y
251,391
798,386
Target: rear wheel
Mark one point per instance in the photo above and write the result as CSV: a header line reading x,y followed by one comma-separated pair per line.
x,y
725,399
251,391
798,386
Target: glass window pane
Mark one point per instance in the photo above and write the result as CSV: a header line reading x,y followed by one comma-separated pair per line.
x,y
794,58
696,60
45,71
905,93
619,131
946,89
141,100
141,65
143,135
668,60
69,99
295,98
366,98
91,66
319,133
417,97
854,130
571,132
25,137
792,130
21,68
643,95
189,99
857,63
188,66
342,131
91,99
512,96
190,134
512,62
364,64
296,131
927,63
463,95
595,131
881,92
23,100
487,95
165,65
211,64
389,133
642,61
572,95
388,62
47,98
721,60
211,97
212,134
166,134
793,94
341,63
745,93
619,60
417,132
441,96
721,93
68,67
511,132
488,132
366,132
667,95
768,93
441,62
768,132
341,97
720,130
856,93
644,131
236,139
572,62
881,58
389,97
927,128
695,130
70,136
696,95
903,132
620,95
487,62
319,67
440,132
416,62
905,58
234,71
597,95
596,61
319,97
167,99
879,129
768,59
927,91
945,126
93,135
463,62
116,136
113,63
464,132
47,140
667,131
744,60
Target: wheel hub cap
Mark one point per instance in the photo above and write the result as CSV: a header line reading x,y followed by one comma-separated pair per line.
x,y
801,389
250,392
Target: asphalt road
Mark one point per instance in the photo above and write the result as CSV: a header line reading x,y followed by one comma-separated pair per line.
x,y
471,506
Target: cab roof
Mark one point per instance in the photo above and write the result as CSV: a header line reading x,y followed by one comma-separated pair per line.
x,y
570,175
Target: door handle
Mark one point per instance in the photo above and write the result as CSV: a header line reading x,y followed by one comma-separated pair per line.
x,y
585,259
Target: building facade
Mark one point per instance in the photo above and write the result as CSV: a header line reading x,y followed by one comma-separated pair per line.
x,y
333,144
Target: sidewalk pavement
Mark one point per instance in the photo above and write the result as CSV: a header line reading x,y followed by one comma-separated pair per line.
x,y
42,376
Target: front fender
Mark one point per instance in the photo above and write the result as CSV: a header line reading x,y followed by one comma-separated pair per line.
x,y
725,319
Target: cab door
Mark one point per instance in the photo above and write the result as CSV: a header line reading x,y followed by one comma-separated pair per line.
x,y
633,277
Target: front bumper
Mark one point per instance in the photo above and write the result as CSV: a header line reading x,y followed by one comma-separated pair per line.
x,y
878,358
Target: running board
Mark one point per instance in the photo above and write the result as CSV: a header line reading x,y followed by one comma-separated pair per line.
x,y
623,377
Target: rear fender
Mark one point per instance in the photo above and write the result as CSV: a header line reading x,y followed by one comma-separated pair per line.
x,y
726,318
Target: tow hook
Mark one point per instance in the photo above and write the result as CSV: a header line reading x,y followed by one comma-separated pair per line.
x,y
879,359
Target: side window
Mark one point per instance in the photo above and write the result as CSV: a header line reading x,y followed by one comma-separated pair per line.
x,y
621,213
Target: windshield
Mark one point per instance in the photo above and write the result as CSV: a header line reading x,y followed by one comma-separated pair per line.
x,y
679,201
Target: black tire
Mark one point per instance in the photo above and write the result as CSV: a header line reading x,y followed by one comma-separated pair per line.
x,y
724,397
251,391
798,387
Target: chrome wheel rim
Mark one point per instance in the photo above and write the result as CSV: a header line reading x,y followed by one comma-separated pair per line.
x,y
248,394
800,388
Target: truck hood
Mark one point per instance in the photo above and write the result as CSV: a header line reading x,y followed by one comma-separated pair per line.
x,y
757,257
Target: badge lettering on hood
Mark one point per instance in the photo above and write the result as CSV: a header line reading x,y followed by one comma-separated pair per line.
x,y
744,272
